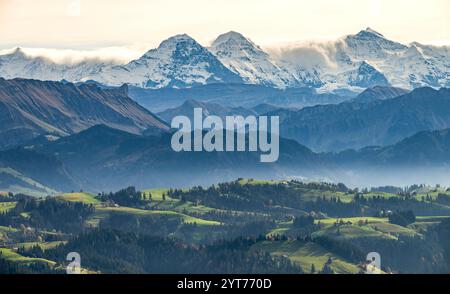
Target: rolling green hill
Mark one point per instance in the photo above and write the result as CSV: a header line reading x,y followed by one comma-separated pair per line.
x,y
306,254
85,198
102,211
10,255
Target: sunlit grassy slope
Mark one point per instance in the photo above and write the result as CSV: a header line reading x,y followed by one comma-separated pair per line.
x,y
306,254
85,198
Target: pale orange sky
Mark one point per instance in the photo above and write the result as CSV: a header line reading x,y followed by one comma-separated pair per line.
x,y
102,23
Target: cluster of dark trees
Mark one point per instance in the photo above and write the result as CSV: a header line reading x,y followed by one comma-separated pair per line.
x,y
111,251
443,199
7,197
125,197
270,198
248,197
164,225
372,206
156,225
49,214
304,221
402,218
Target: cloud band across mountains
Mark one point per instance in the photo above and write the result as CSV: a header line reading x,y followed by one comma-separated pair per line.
x,y
354,62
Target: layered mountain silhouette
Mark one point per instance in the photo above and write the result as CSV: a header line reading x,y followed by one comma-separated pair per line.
x,y
234,95
210,108
82,126
424,149
354,125
102,158
29,108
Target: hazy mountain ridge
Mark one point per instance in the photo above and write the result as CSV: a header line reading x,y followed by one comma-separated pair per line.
x,y
379,93
424,149
354,125
234,95
209,108
102,158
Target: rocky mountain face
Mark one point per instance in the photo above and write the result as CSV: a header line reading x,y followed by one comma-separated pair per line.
x,y
178,62
355,62
403,66
249,61
29,108
354,125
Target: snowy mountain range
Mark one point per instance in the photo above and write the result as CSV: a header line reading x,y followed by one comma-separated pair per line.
x,y
178,62
380,61
249,61
18,64
355,62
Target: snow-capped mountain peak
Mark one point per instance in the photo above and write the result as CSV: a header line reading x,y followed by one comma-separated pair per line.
x,y
178,42
176,47
18,64
233,39
371,42
353,62
369,33
179,61
18,52
245,58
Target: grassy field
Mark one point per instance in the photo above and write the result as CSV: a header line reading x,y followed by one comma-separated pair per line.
x,y
140,212
8,230
305,254
85,198
347,232
281,229
10,255
431,218
353,220
6,206
394,230
157,194
418,194
42,245
312,195
4,231
257,182
157,203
